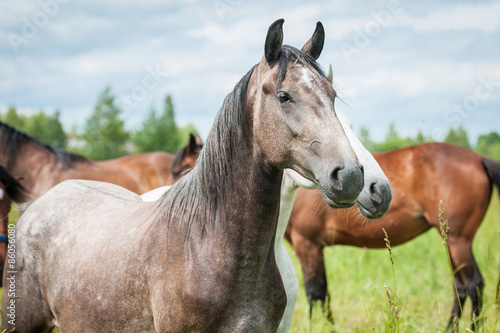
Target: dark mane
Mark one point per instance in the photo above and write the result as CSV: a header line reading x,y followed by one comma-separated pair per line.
x,y
11,139
204,187
198,195
13,188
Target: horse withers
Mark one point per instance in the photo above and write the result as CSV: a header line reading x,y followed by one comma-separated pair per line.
x,y
96,258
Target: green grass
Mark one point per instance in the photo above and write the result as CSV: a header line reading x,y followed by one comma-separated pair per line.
x,y
356,279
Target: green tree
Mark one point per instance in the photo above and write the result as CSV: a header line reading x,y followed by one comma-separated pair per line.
x,y
104,132
489,145
458,137
364,137
173,141
47,129
394,141
14,119
159,132
184,133
420,138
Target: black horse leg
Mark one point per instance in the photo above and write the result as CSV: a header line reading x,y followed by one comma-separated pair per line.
x,y
456,312
316,289
468,278
475,290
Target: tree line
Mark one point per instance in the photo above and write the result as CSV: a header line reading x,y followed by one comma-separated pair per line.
x,y
104,135
486,144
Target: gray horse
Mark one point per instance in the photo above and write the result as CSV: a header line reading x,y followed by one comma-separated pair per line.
x,y
93,257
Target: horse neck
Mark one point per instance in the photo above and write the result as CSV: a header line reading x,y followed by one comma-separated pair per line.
x,y
250,208
33,164
230,201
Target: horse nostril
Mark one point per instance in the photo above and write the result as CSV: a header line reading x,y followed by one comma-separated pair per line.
x,y
336,182
375,194
362,168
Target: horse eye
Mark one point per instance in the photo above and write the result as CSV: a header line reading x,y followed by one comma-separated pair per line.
x,y
284,97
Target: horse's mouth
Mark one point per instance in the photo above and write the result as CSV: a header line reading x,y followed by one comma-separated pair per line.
x,y
369,212
332,203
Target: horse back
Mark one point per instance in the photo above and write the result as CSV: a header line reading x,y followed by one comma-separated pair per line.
x,y
96,226
426,174
139,173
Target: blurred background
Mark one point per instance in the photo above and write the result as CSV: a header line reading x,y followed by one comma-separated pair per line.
x,y
139,76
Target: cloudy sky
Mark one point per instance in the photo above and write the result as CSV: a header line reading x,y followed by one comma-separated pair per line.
x,y
422,65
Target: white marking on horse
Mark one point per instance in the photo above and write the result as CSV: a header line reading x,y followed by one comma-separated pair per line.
x,y
155,194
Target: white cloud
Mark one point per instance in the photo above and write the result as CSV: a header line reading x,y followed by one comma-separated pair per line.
x,y
423,79
484,17
12,12
88,46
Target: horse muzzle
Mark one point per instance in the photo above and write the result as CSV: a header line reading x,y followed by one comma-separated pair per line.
x,y
342,186
374,200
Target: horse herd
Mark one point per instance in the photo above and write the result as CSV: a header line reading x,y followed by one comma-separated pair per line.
x,y
206,254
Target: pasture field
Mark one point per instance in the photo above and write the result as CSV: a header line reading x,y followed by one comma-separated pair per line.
x,y
359,280
421,280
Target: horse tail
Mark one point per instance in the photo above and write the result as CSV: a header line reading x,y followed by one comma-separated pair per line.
x,y
492,168
13,188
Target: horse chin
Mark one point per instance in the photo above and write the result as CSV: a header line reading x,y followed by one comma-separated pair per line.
x,y
343,198
369,210
332,203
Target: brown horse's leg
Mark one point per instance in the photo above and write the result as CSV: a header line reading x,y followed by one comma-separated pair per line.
x,y
458,304
313,266
468,278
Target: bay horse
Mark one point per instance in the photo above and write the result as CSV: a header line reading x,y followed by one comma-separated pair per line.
x,y
184,160
93,256
40,166
420,177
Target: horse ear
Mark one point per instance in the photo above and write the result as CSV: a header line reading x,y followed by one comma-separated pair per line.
x,y
274,41
329,75
198,140
191,147
314,46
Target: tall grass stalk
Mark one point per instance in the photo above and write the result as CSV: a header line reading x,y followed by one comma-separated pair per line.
x,y
391,305
444,227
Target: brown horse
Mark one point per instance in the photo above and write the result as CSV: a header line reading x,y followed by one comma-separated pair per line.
x,y
185,159
420,177
40,167
94,257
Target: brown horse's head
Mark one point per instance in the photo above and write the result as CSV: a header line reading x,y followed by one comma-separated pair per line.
x,y
185,158
294,118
